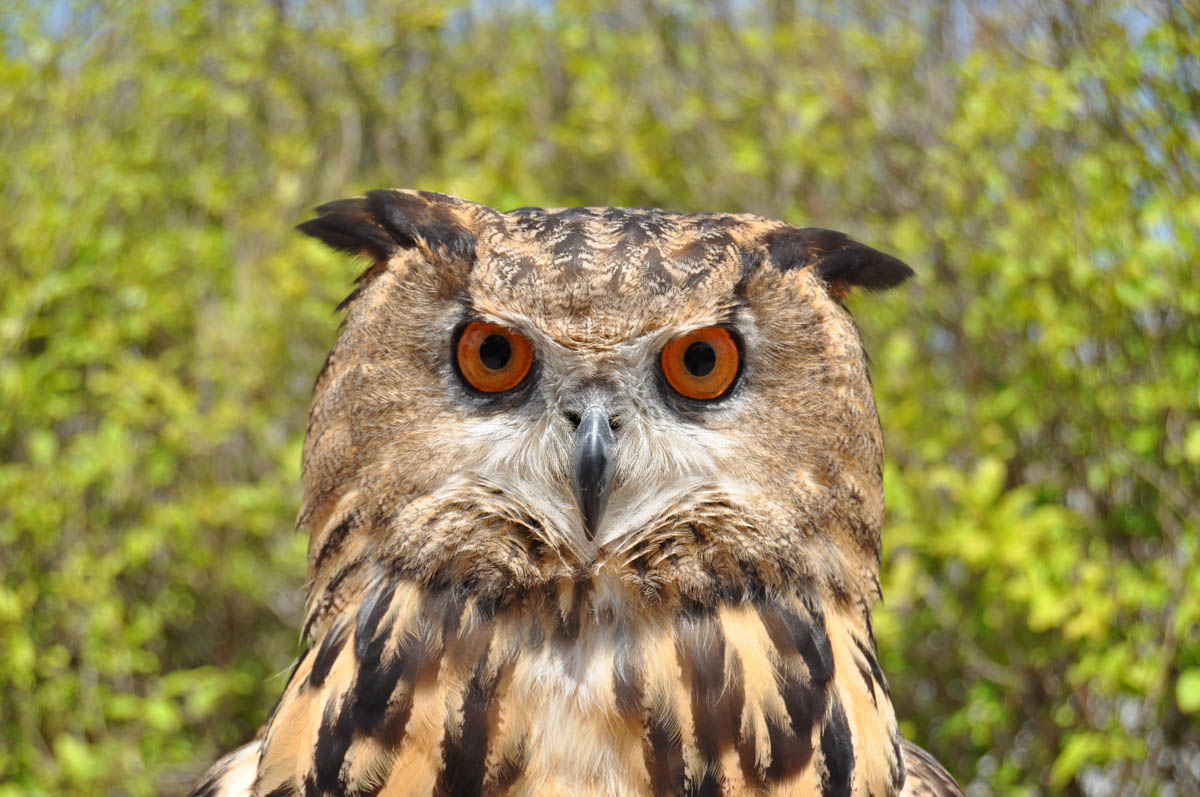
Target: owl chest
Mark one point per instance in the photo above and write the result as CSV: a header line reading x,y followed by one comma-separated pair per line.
x,y
421,696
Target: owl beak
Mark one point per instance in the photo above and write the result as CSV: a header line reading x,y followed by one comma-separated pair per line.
x,y
591,467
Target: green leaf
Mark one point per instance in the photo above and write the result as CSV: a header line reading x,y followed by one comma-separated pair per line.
x,y
1187,691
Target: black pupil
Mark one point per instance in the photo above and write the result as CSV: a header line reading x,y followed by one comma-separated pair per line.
x,y
495,352
699,359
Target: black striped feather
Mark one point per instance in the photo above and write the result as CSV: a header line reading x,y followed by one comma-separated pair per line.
x,y
422,690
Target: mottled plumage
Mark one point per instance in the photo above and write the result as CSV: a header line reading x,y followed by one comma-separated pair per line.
x,y
469,633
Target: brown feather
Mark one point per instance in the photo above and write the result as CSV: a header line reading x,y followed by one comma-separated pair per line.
x,y
925,777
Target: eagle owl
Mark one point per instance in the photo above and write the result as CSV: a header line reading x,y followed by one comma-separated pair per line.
x,y
594,497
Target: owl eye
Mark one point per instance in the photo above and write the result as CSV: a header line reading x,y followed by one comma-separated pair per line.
x,y
701,364
493,358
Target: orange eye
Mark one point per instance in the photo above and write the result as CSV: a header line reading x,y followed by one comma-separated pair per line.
x,y
493,358
701,364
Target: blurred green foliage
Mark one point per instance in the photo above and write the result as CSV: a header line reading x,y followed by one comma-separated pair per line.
x,y
1039,383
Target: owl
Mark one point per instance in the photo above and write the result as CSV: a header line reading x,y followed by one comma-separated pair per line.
x,y
594,499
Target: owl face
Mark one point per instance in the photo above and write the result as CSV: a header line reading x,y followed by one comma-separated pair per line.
x,y
669,404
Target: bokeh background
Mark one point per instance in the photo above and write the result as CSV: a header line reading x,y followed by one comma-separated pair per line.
x,y
1037,162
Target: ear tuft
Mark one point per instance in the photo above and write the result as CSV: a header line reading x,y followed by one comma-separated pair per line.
x,y
348,226
424,216
842,262
387,220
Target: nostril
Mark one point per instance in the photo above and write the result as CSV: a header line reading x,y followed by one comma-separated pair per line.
x,y
573,418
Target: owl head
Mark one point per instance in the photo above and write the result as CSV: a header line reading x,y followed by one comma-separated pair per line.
x,y
667,407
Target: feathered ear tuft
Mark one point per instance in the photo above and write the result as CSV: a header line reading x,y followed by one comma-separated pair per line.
x,y
843,263
384,221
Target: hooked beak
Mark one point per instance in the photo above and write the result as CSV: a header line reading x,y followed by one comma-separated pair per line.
x,y
591,467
